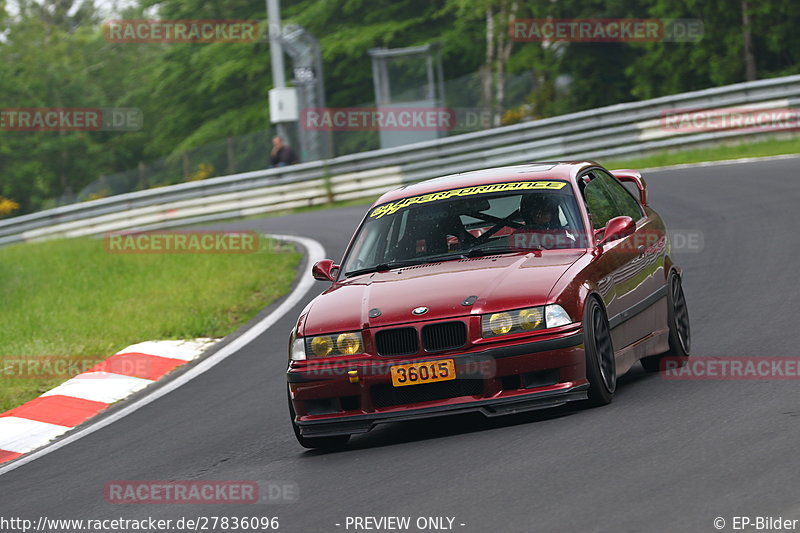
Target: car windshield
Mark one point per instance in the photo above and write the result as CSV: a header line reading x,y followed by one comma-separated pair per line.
x,y
521,217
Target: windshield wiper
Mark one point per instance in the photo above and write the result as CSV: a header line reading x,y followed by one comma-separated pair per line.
x,y
480,252
382,267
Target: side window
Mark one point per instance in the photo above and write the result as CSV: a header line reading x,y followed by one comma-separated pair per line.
x,y
600,202
626,204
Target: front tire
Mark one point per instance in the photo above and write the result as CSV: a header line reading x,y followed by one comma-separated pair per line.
x,y
336,441
679,330
601,366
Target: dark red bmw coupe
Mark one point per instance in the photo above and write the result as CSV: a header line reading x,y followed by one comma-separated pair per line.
x,y
496,291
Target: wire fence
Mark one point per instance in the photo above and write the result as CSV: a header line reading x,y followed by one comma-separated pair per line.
x,y
251,152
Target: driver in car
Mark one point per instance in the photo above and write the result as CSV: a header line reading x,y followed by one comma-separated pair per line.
x,y
540,212
543,228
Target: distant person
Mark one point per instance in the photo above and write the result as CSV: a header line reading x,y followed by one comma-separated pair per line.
x,y
282,154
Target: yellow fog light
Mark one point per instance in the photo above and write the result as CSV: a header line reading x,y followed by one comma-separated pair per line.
x,y
321,346
348,343
500,323
530,319
335,345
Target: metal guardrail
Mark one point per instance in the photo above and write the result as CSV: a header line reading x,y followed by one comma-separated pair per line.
x,y
613,131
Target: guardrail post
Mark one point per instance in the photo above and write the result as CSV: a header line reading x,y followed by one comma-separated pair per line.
x,y
326,177
231,155
142,177
186,168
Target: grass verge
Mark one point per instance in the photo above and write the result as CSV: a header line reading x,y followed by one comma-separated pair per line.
x,y
711,153
70,299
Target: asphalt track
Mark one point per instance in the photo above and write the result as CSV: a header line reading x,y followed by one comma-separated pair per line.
x,y
664,456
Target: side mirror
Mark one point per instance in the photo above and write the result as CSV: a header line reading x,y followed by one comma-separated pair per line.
x,y
324,270
635,177
618,228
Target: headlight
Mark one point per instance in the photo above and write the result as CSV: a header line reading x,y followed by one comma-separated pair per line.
x,y
335,345
522,320
348,343
500,323
321,346
298,350
556,316
530,319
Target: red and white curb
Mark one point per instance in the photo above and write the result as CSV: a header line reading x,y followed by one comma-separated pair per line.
x,y
57,411
315,252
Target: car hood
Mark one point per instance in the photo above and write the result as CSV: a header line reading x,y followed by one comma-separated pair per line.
x,y
499,282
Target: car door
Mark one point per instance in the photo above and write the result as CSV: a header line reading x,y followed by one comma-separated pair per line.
x,y
633,260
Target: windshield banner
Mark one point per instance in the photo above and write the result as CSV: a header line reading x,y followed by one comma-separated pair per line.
x,y
393,207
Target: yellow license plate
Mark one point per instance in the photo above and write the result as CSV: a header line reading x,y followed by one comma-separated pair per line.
x,y
416,373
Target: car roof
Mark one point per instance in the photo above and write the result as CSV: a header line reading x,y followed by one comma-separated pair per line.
x,y
564,170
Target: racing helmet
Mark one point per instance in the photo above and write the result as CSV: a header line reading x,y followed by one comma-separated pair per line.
x,y
532,204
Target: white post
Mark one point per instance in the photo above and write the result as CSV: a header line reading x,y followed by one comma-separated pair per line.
x,y
276,53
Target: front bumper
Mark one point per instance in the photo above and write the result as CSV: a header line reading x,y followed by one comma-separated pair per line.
x,y
495,381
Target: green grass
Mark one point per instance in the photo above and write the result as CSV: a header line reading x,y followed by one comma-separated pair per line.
x,y
711,153
71,298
